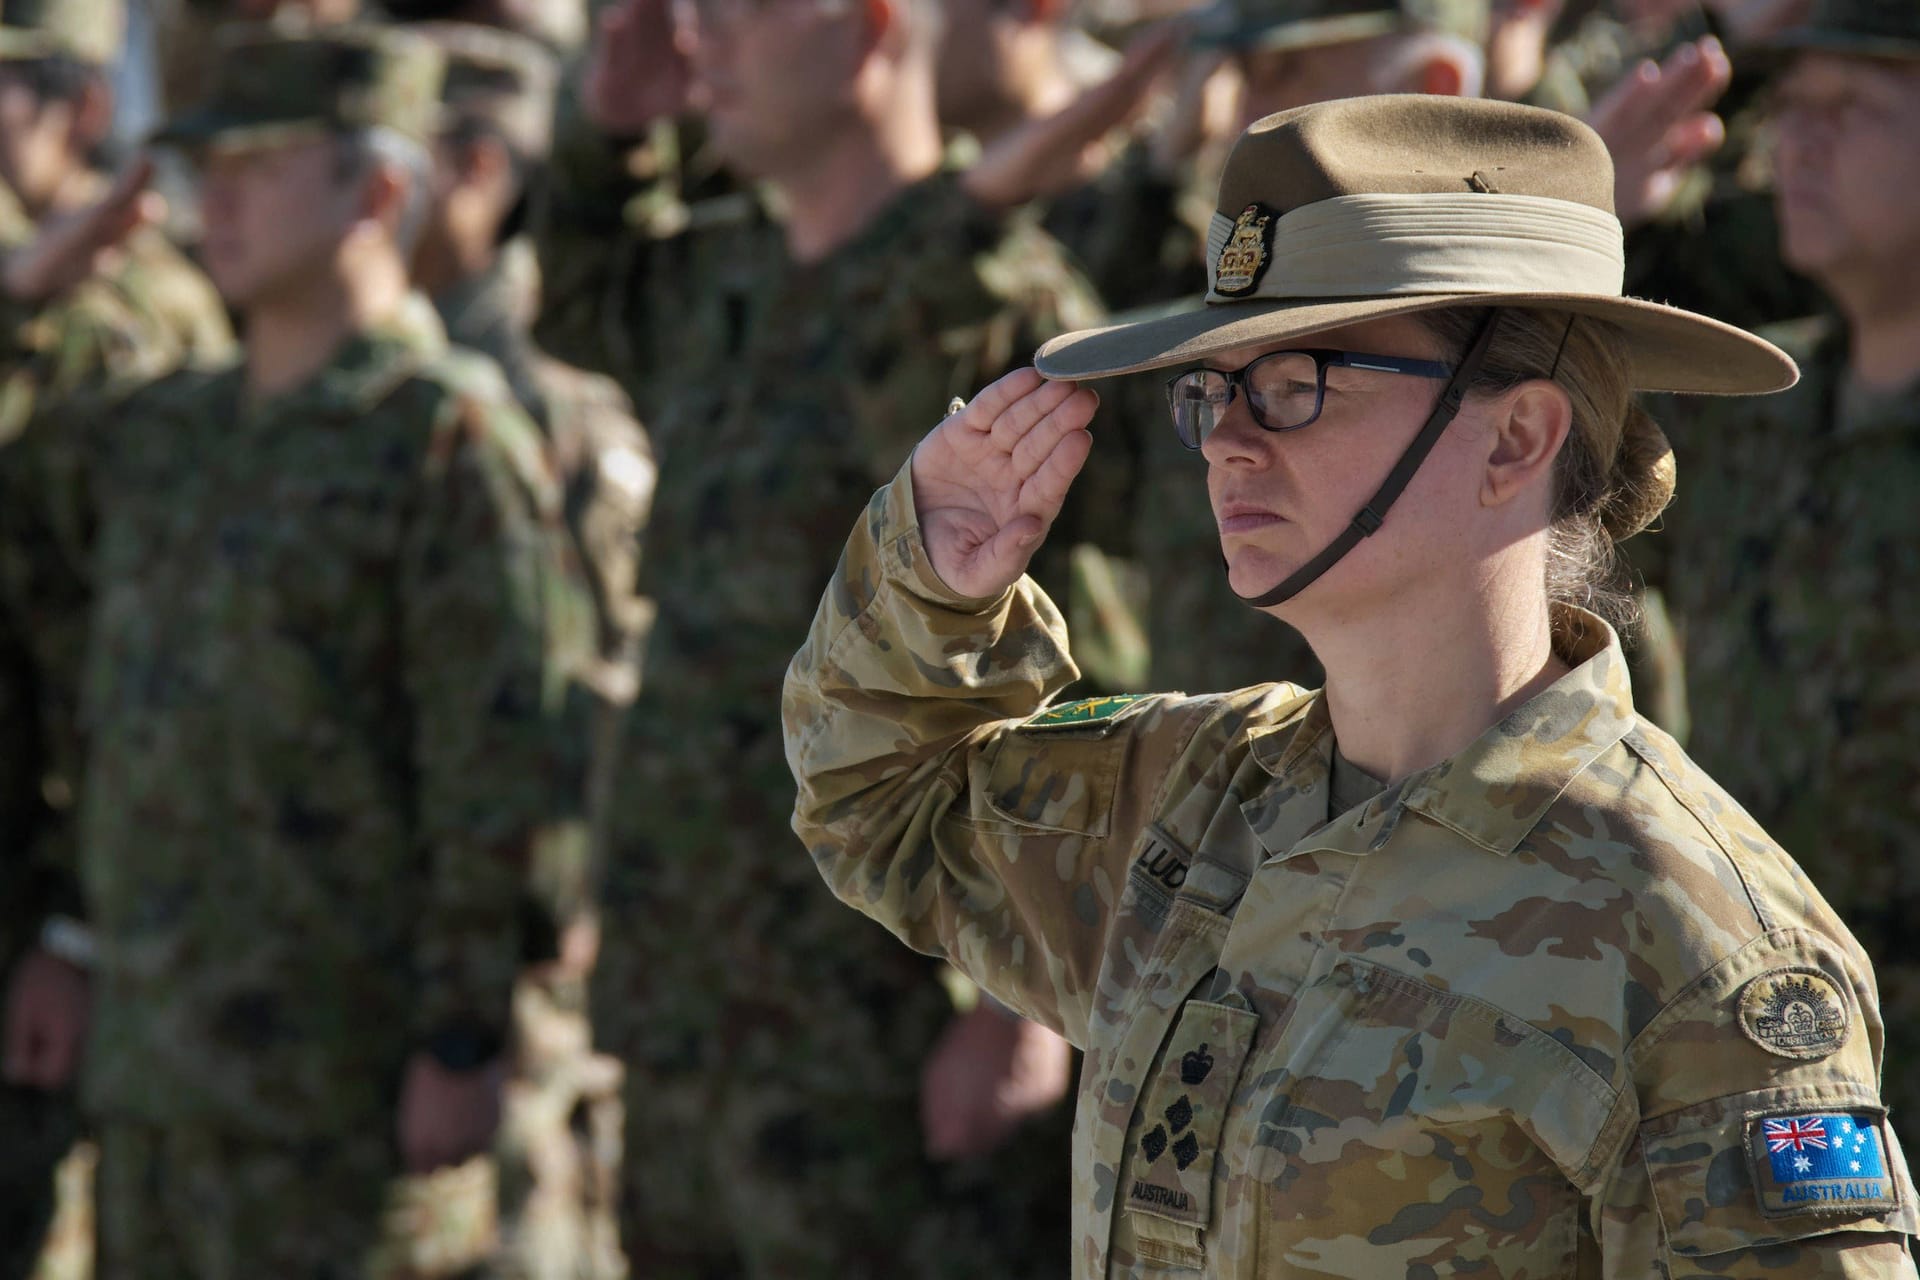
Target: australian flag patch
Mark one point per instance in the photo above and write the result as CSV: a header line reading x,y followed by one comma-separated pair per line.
x,y
1821,1162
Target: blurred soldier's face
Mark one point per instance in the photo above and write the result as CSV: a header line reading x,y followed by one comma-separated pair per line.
x,y
36,136
776,77
275,218
972,72
472,192
1847,165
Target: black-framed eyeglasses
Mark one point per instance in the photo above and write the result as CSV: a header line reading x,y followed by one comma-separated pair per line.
x,y
1284,389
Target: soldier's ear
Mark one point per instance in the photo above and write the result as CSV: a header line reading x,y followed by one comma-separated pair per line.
x,y
1529,426
384,195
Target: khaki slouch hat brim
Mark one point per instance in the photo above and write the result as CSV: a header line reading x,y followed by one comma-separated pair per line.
x,y
1365,208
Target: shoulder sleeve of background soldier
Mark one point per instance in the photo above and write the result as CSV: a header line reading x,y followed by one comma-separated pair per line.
x,y
495,625
177,298
1747,1134
939,794
607,472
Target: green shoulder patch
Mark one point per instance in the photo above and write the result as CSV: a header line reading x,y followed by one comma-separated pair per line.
x,y
1078,715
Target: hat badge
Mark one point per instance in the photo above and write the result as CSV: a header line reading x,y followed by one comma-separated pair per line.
x,y
1243,259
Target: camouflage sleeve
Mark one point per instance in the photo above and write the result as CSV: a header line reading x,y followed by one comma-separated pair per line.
x,y
928,799
489,604
1761,1148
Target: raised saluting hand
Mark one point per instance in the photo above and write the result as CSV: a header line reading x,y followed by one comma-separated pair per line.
x,y
989,481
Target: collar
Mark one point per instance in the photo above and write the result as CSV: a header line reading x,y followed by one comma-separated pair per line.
x,y
492,308
369,366
1492,793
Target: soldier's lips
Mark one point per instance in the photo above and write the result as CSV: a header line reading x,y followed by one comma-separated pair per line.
x,y
1244,518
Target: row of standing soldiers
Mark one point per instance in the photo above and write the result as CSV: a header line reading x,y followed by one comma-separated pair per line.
x,y
354,761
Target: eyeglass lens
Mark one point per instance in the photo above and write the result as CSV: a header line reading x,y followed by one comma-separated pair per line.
x,y
1282,390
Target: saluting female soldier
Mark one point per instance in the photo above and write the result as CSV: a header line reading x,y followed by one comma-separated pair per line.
x,y
1454,966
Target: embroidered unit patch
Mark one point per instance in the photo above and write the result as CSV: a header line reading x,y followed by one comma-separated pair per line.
x,y
1820,1162
1075,715
1796,1013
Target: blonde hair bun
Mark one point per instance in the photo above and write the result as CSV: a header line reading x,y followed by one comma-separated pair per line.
x,y
1641,482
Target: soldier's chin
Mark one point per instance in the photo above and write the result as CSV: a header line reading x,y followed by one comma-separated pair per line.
x,y
1254,571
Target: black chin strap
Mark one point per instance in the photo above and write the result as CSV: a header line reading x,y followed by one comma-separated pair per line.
x,y
1374,514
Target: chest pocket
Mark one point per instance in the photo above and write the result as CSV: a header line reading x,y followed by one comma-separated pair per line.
x,y
1409,1086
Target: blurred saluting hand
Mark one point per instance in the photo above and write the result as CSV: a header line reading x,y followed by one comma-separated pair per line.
x,y
1068,149
637,73
71,247
1658,123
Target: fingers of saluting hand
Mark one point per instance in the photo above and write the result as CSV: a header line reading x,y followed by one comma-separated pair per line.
x,y
1063,412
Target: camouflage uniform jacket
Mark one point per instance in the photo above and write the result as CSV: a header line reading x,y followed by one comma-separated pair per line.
x,y
1509,1017
323,694
1790,562
150,313
776,392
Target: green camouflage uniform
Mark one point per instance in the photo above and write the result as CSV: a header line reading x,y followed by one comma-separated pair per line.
x,y
562,1116
774,1047
149,312
1539,1010
326,689
311,859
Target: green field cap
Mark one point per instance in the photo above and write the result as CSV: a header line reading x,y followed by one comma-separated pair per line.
x,y
498,78
1870,28
89,31
1306,24
1364,208
272,84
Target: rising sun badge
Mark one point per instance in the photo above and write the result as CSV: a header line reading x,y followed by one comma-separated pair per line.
x,y
1797,1013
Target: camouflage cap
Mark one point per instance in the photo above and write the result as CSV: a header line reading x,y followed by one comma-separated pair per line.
x,y
498,79
271,85
90,31
1303,24
1871,28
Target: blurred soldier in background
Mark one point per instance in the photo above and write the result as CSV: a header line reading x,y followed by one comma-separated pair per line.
x,y
773,1052
327,681
1792,561
132,310
563,1108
